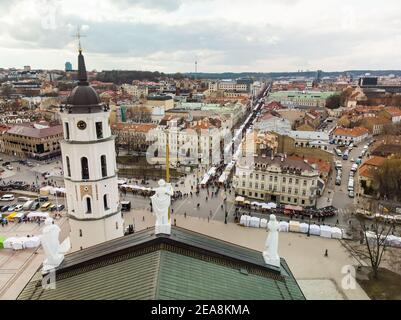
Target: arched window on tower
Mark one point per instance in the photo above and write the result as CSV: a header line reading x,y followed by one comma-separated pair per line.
x,y
88,205
67,160
84,168
103,165
105,202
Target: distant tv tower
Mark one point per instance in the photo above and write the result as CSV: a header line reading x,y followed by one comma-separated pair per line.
x,y
196,68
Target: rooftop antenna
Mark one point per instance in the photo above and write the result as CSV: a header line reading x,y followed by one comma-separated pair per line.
x,y
196,68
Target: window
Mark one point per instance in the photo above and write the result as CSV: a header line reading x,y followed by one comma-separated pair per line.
x,y
296,181
105,202
304,183
104,165
67,160
271,178
284,179
116,225
243,183
275,179
256,176
251,175
250,184
67,130
289,190
84,168
256,194
256,185
99,130
290,181
80,233
88,205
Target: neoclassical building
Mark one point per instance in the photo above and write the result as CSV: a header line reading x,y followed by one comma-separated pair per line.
x,y
278,179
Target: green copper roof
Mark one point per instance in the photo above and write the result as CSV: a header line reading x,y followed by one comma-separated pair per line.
x,y
184,266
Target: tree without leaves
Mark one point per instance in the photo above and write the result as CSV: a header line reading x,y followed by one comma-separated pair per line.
x,y
372,236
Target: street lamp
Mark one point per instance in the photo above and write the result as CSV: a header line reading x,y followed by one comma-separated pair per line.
x,y
310,218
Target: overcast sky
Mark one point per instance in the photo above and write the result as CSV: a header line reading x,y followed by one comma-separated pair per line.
x,y
222,35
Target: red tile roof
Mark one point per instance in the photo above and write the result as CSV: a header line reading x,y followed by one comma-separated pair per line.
x,y
354,132
28,130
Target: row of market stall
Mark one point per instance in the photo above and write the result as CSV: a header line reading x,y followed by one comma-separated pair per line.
x,y
20,243
390,240
18,216
295,226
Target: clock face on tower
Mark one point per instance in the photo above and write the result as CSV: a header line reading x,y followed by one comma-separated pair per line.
x,y
81,125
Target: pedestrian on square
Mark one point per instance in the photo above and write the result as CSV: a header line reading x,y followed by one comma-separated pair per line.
x,y
326,254
143,218
208,219
185,215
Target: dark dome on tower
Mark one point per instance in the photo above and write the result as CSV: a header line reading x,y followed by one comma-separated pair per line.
x,y
83,98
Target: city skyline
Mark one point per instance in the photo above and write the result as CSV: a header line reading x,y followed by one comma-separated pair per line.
x,y
169,36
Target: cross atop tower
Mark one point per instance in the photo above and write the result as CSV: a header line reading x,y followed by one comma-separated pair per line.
x,y
78,36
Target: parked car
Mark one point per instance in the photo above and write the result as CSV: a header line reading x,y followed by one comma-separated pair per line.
x,y
60,207
10,167
11,208
23,199
27,205
35,206
30,164
7,197
351,194
18,207
6,163
43,199
5,208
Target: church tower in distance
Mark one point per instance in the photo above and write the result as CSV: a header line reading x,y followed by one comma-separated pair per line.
x,y
90,170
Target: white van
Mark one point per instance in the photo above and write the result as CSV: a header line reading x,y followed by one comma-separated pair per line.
x,y
7,197
27,205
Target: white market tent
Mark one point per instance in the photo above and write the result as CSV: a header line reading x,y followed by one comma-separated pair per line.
x,y
315,230
8,244
239,199
37,214
304,227
272,205
263,223
325,231
283,226
135,187
336,233
245,220
212,171
18,244
393,241
205,179
254,222
223,177
31,242
294,226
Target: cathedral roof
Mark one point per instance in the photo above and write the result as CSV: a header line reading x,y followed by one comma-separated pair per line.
x,y
183,265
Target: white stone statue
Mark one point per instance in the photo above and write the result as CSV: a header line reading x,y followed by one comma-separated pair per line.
x,y
270,254
161,202
51,245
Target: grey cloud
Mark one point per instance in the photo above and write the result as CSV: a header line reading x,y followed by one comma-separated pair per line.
x,y
164,5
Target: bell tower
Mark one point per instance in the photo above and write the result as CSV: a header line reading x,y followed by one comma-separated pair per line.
x,y
90,170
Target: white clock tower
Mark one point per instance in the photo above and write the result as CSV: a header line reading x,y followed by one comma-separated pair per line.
x,y
90,171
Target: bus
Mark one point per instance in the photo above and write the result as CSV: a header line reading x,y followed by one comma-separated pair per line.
x,y
45,206
338,152
345,155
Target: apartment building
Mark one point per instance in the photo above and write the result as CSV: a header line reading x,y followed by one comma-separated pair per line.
x,y
278,179
33,140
